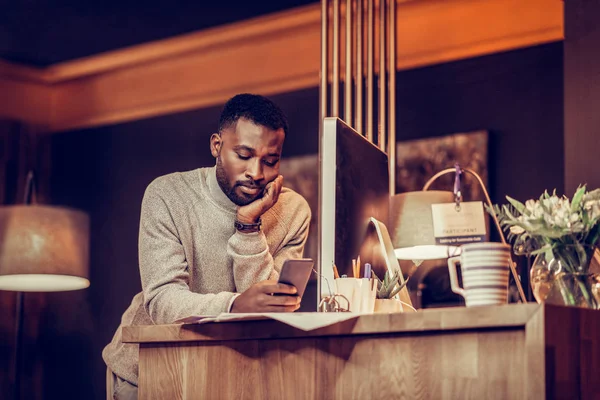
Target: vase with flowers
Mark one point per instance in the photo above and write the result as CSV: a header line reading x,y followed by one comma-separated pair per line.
x,y
562,234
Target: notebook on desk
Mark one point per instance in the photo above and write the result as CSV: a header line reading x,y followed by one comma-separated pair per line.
x,y
306,321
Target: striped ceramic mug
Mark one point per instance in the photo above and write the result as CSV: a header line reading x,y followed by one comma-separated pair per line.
x,y
485,271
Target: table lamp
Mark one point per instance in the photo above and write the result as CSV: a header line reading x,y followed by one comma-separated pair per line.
x,y
42,249
411,220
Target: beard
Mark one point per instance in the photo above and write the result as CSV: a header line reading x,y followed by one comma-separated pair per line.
x,y
240,199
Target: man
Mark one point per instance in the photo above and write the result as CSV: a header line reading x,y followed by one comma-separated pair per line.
x,y
214,239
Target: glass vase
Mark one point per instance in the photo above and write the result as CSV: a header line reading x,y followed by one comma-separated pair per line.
x,y
552,283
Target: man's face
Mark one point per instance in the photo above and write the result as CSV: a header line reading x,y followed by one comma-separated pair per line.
x,y
247,159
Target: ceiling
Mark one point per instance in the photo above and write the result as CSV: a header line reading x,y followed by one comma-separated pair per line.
x,y
45,32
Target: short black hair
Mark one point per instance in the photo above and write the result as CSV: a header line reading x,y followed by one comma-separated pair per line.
x,y
255,108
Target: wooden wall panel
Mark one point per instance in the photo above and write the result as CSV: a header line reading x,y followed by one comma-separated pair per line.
x,y
582,94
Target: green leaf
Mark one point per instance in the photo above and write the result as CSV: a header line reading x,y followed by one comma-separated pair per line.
x,y
577,197
493,211
520,207
541,250
509,216
582,255
398,289
549,253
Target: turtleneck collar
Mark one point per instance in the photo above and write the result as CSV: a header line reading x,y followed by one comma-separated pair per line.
x,y
216,193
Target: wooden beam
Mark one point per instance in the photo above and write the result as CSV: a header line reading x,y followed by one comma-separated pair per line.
x,y
437,31
270,54
26,101
266,55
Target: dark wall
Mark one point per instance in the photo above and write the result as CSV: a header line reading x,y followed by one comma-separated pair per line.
x,y
42,32
516,95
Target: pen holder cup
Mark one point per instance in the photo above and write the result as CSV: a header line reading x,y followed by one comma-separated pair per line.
x,y
360,292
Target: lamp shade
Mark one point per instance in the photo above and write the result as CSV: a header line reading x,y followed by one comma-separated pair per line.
x,y
43,249
411,220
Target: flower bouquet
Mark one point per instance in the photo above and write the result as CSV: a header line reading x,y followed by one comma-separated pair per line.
x,y
562,233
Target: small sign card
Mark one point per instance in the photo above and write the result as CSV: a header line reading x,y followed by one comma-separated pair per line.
x,y
454,227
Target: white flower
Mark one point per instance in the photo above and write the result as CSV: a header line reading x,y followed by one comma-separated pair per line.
x,y
593,209
551,220
516,230
551,203
534,209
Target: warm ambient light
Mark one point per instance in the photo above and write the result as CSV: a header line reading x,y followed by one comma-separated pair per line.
x,y
411,221
426,252
43,248
42,283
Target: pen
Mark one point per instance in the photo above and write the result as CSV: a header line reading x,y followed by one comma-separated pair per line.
x,y
335,272
367,270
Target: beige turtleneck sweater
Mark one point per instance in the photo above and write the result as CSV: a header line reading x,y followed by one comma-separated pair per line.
x,y
193,261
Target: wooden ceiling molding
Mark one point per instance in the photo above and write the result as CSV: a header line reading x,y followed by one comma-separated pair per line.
x,y
272,54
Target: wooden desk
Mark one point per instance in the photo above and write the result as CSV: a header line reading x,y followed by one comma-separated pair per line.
x,y
522,351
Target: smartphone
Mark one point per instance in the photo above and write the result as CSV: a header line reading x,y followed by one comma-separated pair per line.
x,y
296,272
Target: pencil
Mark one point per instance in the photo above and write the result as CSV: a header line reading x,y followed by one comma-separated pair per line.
x,y
358,267
336,275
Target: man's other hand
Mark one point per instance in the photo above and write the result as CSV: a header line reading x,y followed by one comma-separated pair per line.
x,y
267,296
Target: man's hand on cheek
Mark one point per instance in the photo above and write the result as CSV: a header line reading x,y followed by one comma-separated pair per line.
x,y
250,213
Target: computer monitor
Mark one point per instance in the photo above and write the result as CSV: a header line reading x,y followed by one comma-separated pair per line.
x,y
353,187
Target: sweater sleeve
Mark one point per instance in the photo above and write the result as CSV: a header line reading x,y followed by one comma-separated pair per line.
x,y
164,269
252,261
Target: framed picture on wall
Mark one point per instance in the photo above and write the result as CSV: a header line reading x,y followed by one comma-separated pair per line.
x,y
301,174
418,160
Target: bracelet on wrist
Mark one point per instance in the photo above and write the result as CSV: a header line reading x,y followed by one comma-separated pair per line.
x,y
248,228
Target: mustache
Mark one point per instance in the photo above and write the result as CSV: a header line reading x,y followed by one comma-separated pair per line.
x,y
251,185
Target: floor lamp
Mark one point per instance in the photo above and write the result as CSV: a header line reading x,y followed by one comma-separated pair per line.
x,y
42,249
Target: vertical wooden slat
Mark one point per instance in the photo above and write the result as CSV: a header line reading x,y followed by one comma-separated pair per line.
x,y
335,100
369,85
381,136
359,68
348,75
324,61
392,94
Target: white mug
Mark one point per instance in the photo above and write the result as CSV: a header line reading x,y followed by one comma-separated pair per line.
x,y
485,273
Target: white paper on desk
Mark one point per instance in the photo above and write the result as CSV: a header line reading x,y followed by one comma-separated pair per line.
x,y
306,321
